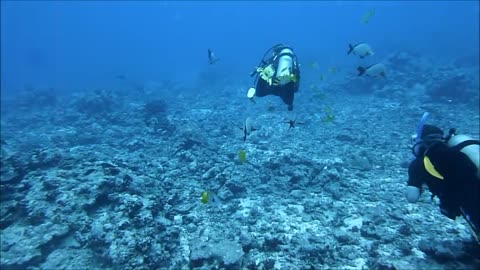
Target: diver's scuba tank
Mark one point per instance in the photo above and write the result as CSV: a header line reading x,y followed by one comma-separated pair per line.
x,y
468,146
285,65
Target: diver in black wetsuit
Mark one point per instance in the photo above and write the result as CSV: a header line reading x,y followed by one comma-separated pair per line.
x,y
277,75
449,166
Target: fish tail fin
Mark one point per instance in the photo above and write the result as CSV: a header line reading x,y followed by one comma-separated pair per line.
x,y
350,49
361,70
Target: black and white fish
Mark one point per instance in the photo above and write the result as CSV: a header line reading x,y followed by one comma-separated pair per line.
x,y
361,49
375,70
247,128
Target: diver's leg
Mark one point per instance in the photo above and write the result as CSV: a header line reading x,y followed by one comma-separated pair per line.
x,y
263,89
287,96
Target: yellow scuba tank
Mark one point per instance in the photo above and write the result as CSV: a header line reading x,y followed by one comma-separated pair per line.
x,y
471,150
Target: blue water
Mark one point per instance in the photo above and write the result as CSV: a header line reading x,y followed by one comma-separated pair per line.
x,y
83,44
113,123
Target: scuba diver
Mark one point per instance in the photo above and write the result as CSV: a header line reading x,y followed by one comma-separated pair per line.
x,y
278,75
449,166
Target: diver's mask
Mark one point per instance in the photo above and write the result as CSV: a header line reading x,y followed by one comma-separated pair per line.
x,y
421,145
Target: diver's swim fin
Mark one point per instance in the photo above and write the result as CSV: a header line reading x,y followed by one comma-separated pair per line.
x,y
475,232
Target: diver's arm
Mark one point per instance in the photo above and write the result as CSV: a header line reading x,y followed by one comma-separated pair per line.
x,y
413,190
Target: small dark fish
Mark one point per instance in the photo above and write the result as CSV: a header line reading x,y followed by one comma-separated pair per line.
x,y
212,59
120,77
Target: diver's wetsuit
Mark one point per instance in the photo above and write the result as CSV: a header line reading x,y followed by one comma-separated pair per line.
x,y
460,188
286,91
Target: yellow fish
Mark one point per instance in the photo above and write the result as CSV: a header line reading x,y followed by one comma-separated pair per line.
x,y
320,96
332,70
209,197
314,87
367,16
242,156
328,110
314,65
329,117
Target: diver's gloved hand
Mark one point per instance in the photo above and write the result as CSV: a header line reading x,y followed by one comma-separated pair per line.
x,y
412,194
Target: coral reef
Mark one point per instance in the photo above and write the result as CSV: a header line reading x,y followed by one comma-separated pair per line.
x,y
96,186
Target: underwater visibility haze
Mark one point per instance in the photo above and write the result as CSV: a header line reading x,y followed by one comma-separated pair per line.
x,y
239,135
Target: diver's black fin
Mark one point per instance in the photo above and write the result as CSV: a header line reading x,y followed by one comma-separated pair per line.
x,y
361,70
350,49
